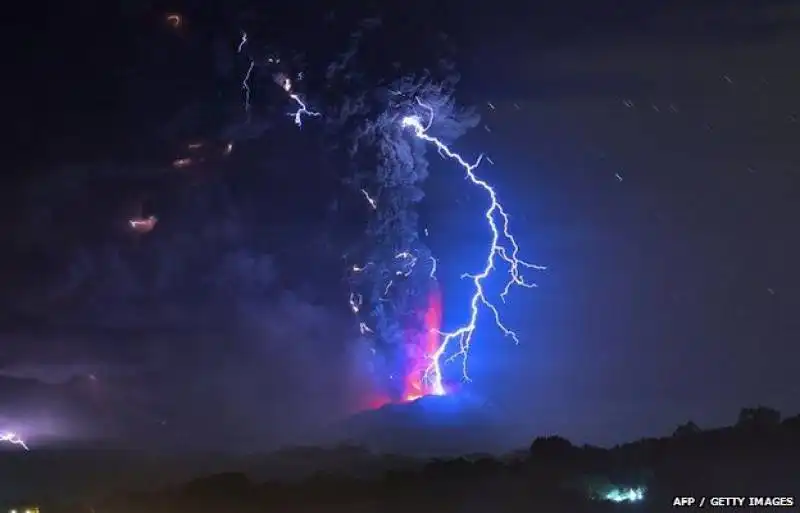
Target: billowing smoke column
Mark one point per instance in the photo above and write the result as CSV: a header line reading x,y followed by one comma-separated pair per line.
x,y
392,273
394,286
395,272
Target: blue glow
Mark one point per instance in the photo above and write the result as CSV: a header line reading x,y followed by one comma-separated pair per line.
x,y
502,244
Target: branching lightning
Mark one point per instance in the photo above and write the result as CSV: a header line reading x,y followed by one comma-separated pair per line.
x,y
281,79
302,109
502,245
13,439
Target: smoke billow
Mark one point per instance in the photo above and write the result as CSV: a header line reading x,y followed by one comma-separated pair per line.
x,y
362,94
392,270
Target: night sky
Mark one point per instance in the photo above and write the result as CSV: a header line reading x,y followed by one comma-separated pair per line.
x,y
647,154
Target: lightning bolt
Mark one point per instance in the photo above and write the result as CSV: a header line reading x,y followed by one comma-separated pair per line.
x,y
14,439
373,203
246,80
434,265
502,246
246,86
242,42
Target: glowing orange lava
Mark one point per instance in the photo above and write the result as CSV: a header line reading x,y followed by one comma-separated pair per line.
x,y
421,350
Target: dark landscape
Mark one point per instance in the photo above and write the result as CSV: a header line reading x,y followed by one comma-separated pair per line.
x,y
757,456
417,257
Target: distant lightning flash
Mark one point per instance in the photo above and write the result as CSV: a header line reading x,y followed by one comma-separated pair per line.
x,y
14,439
502,245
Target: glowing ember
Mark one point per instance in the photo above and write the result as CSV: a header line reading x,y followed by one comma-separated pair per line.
x,y
143,225
175,20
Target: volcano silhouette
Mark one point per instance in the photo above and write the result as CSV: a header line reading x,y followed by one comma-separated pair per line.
x,y
427,427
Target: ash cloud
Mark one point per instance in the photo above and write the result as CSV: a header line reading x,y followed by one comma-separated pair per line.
x,y
389,167
362,93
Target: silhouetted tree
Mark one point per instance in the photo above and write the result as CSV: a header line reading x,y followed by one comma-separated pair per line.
x,y
684,430
792,424
758,418
551,448
556,476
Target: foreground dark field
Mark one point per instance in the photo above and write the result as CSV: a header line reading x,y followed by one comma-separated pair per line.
x,y
760,456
